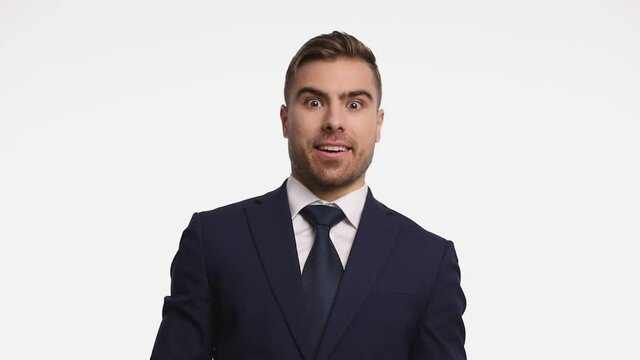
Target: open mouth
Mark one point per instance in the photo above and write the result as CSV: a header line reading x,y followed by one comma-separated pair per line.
x,y
333,148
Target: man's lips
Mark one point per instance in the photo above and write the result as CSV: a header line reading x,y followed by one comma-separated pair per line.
x,y
333,147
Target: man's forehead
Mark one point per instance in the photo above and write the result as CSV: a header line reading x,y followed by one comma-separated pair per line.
x,y
341,66
338,75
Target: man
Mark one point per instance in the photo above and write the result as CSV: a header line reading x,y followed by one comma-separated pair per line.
x,y
318,268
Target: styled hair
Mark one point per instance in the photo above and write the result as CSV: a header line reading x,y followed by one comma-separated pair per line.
x,y
329,47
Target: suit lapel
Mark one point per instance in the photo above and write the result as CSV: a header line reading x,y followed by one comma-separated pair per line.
x,y
272,230
372,244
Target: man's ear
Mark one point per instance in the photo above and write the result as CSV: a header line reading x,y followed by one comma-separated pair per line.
x,y
284,119
379,121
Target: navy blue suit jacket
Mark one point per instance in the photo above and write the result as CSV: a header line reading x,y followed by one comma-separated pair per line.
x,y
236,290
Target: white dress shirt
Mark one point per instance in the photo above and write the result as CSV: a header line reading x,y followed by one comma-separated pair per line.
x,y
342,234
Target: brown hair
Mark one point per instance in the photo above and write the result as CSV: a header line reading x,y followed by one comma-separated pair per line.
x,y
329,47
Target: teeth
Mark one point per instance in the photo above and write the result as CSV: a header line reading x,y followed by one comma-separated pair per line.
x,y
333,148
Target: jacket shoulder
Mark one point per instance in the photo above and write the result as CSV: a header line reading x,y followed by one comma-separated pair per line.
x,y
411,229
239,207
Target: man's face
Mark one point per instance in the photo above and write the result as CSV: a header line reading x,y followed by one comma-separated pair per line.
x,y
332,122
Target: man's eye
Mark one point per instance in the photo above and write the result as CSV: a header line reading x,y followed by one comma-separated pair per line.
x,y
354,105
314,103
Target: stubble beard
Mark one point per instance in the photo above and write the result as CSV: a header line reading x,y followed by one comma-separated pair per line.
x,y
328,174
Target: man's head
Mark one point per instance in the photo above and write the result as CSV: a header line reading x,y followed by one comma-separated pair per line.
x,y
332,118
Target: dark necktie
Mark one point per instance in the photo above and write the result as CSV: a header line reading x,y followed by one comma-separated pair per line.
x,y
323,270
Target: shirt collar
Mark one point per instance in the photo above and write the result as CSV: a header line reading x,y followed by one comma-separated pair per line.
x,y
350,204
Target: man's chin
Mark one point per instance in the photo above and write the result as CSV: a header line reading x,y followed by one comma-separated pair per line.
x,y
333,181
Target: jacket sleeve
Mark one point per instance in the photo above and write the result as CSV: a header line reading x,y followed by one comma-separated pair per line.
x,y
186,331
441,330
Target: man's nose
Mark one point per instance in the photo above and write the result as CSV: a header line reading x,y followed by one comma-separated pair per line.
x,y
334,119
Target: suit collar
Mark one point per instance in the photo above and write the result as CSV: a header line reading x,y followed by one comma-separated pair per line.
x,y
270,224
272,230
374,240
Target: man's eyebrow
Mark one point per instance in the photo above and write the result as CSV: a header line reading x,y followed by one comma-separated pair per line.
x,y
314,91
357,93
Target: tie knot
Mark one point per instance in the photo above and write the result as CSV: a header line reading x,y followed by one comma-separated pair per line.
x,y
322,215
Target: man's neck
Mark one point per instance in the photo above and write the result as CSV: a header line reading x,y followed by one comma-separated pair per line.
x,y
331,194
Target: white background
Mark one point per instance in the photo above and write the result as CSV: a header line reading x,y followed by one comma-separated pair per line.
x,y
511,128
